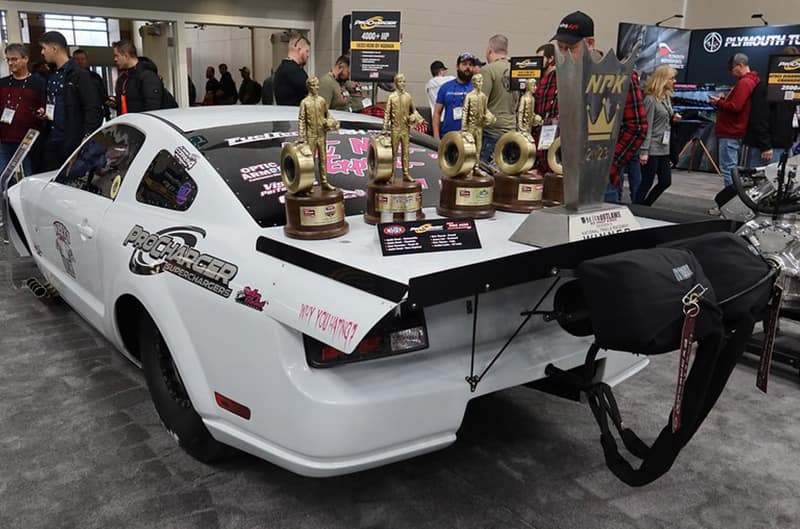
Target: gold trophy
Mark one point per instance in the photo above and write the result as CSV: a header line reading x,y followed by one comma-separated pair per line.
x,y
516,187
312,211
387,199
554,181
466,190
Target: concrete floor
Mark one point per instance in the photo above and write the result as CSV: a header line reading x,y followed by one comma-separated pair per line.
x,y
82,447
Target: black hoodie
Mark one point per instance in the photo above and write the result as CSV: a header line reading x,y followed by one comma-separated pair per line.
x,y
140,88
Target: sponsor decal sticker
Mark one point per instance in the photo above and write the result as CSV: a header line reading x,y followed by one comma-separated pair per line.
x,y
261,171
64,247
173,250
251,297
184,157
394,230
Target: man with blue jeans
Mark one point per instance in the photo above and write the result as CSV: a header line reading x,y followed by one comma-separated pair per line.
x,y
733,113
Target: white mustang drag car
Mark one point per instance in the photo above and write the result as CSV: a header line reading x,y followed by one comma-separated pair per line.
x,y
164,231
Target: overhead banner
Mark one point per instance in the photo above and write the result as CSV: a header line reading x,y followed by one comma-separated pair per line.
x,y
375,45
783,81
524,69
657,46
711,48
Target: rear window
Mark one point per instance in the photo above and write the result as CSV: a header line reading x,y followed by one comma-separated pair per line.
x,y
248,159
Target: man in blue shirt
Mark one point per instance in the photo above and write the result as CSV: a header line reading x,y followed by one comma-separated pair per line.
x,y
450,99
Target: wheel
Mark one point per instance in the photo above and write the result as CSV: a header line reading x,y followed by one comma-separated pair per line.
x,y
515,153
171,399
297,167
554,157
457,154
380,159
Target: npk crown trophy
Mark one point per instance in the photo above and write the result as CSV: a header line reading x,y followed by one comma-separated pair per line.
x,y
516,188
591,99
466,190
312,211
387,199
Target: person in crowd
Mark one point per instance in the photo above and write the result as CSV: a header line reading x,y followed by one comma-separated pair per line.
x,y
438,78
192,92
228,96
331,85
769,127
267,93
358,100
249,90
449,106
20,95
73,106
290,77
41,69
81,58
733,112
212,87
654,152
575,31
546,98
478,65
138,87
496,81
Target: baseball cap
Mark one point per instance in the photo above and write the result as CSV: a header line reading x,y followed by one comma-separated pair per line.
x,y
466,57
437,66
574,27
244,69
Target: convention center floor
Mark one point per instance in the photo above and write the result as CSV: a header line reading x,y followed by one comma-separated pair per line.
x,y
82,447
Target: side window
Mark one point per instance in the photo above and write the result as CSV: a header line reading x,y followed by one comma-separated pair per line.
x,y
99,166
166,184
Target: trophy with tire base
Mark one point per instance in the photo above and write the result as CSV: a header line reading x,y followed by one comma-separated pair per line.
x,y
553,194
466,190
390,199
516,187
312,211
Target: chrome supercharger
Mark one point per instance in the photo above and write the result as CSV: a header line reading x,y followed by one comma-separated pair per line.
x,y
767,201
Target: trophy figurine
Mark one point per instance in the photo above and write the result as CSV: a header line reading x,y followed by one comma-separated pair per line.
x,y
312,211
389,200
466,190
516,188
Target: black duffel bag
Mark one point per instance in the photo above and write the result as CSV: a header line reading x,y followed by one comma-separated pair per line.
x,y
642,302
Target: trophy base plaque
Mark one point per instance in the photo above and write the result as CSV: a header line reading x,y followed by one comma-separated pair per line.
x,y
468,196
393,202
553,194
554,226
518,194
316,215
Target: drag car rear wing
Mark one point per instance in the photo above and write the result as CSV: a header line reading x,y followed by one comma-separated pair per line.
x,y
354,286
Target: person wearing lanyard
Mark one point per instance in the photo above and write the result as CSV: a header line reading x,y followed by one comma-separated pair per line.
x,y
20,95
138,87
73,105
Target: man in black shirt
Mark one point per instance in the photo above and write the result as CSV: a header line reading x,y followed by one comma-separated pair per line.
x,y
81,58
73,107
227,85
290,77
138,87
213,88
249,91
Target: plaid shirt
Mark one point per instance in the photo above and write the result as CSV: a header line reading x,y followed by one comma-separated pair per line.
x,y
546,106
632,131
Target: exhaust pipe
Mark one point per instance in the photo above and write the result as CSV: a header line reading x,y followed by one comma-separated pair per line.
x,y
40,290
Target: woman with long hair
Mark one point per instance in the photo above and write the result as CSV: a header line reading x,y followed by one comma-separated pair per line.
x,y
654,152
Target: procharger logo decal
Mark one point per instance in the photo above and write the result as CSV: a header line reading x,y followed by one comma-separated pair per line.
x,y
376,22
173,250
790,66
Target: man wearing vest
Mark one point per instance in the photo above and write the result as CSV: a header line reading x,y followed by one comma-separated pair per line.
x,y
138,88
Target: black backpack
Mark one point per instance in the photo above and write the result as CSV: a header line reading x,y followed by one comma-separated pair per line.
x,y
710,289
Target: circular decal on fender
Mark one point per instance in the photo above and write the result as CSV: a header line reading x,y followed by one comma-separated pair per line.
x,y
115,186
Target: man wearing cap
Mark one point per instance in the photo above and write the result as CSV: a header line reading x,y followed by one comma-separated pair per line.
x,y
439,77
331,85
73,105
450,100
733,112
575,31
249,90
496,86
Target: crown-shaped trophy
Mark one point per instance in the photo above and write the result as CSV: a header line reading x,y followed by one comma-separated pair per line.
x,y
591,96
